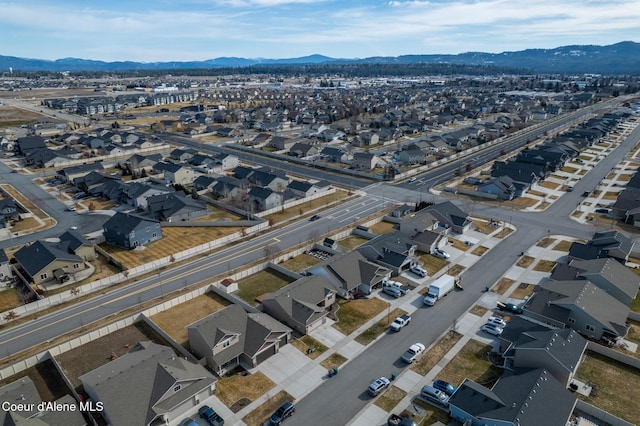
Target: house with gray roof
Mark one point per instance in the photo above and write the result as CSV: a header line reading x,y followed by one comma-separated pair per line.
x,y
502,187
175,173
69,174
614,243
79,245
519,398
230,188
44,261
130,230
203,182
24,391
262,199
232,337
137,193
447,215
366,161
5,268
137,162
581,305
394,250
8,211
302,189
606,273
558,351
175,207
351,273
302,305
150,385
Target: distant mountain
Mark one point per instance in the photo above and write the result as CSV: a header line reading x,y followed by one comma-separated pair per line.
x,y
619,58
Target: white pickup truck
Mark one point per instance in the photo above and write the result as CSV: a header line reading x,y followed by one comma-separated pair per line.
x,y
400,322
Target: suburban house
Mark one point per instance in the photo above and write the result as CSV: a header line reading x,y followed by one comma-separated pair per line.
x,y
202,183
8,211
302,305
182,155
411,155
262,199
26,144
175,207
79,245
136,193
150,385
130,231
395,251
5,267
627,206
366,161
302,150
175,173
606,273
334,155
351,273
449,216
302,189
520,397
44,261
69,174
45,157
137,163
23,391
264,179
232,337
581,305
226,161
502,187
607,243
230,188
92,180
418,222
428,241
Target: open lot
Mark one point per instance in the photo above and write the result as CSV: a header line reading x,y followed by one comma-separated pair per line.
x,y
353,313
174,321
9,299
352,242
383,227
616,386
472,363
15,117
94,354
249,387
263,282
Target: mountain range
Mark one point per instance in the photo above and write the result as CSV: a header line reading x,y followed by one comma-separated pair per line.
x,y
619,58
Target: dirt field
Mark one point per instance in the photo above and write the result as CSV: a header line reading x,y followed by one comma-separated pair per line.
x,y
175,320
92,355
12,117
48,382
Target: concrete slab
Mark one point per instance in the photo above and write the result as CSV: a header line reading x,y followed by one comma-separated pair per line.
x,y
408,381
310,378
372,415
327,335
468,322
351,349
282,365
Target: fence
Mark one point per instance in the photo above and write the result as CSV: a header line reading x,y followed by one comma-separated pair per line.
x,y
599,414
612,354
295,202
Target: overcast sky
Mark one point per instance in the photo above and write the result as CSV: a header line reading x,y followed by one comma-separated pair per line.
x,y
164,30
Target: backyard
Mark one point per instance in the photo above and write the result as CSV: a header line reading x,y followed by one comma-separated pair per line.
x,y
239,390
261,283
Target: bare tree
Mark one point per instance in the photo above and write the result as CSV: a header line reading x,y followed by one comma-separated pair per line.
x,y
11,315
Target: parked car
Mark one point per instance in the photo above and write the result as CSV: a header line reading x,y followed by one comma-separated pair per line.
x,y
79,195
392,291
604,211
71,208
434,395
445,387
441,254
414,352
210,416
497,321
412,179
314,218
510,307
492,329
188,422
285,411
570,189
378,386
418,270
586,193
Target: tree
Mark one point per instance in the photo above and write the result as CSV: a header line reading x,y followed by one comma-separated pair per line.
x,y
92,206
11,315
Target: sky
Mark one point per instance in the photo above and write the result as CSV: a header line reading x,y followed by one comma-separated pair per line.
x,y
185,30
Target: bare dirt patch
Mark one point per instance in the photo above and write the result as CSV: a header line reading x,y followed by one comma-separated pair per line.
x,y
335,360
504,233
252,386
309,346
544,266
352,242
545,242
479,251
390,398
300,262
13,117
174,321
263,282
478,310
503,285
522,291
383,227
525,261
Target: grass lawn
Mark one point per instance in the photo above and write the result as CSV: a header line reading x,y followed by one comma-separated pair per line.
x,y
537,193
255,285
617,388
307,342
610,195
460,245
352,242
390,398
471,362
174,321
635,303
525,202
431,413
482,226
9,299
568,169
432,264
353,313
455,270
261,414
544,266
174,239
522,290
545,242
480,250
549,185
335,360
9,189
378,328
435,353
300,262
230,389
563,245
478,310
503,285
525,261
295,211
504,233
383,227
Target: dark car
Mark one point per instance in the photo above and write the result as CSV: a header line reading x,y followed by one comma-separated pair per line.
x,y
605,211
510,307
445,387
210,416
314,217
586,193
286,410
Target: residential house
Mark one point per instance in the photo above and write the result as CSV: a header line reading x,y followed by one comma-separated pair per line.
x,y
334,155
150,385
366,161
280,143
232,337
175,207
302,150
175,173
265,179
428,241
606,273
130,231
137,163
418,222
262,199
226,161
613,243
627,206
8,211
394,250
69,174
182,155
79,245
502,187
43,158
449,216
230,188
136,193
302,305
411,155
45,261
203,182
24,392
5,267
521,397
25,144
302,189
351,274
92,180
581,305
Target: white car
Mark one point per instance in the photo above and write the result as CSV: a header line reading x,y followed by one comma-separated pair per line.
x,y
71,208
413,353
412,179
497,321
378,386
492,329
418,270
441,254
